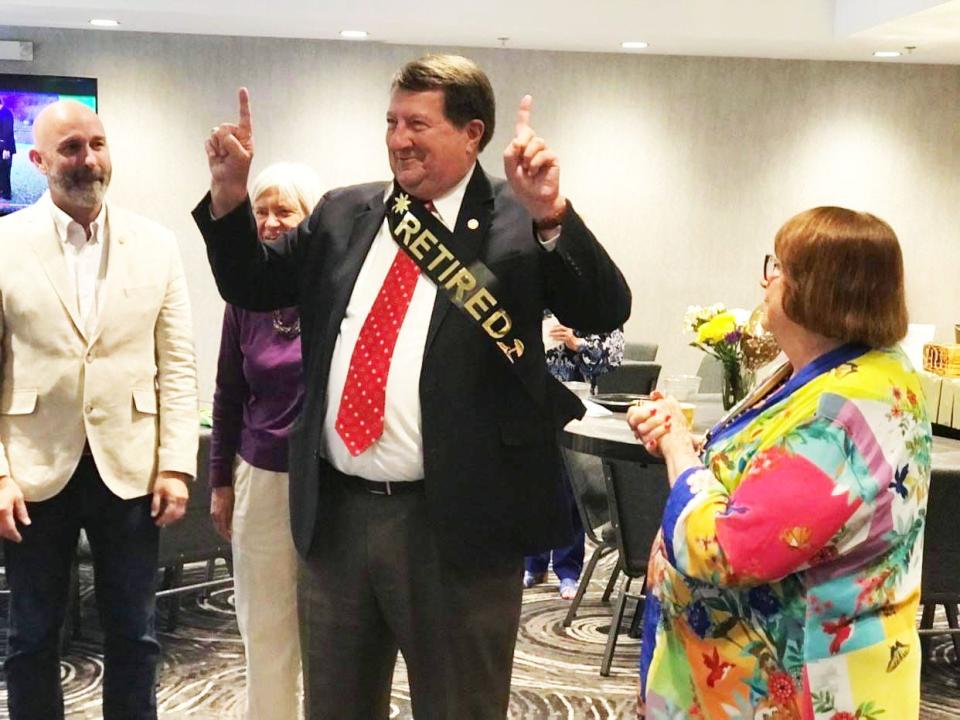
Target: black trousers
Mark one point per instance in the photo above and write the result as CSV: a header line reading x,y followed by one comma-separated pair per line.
x,y
6,191
124,542
381,584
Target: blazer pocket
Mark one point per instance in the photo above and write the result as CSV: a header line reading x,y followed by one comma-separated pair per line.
x,y
19,402
145,401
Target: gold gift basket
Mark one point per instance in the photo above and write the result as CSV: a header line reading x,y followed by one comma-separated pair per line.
x,y
758,345
942,359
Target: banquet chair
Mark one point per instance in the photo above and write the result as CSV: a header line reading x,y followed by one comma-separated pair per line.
x,y
940,582
711,374
192,539
590,495
180,543
640,351
636,493
633,376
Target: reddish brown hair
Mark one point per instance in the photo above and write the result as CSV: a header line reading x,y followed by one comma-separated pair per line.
x,y
467,93
843,276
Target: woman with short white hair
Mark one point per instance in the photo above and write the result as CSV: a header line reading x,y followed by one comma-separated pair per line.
x,y
258,396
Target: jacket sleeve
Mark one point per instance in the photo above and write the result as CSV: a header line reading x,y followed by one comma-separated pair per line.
x,y
806,500
248,273
584,287
229,398
176,375
4,463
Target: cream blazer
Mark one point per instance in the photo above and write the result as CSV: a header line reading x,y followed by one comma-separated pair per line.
x,y
129,388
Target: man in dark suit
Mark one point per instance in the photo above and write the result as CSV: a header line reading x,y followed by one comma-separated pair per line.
x,y
425,463
8,146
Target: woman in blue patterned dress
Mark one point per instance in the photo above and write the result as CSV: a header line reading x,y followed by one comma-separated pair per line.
x,y
582,358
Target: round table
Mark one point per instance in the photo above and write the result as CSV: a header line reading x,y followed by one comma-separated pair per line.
x,y
610,437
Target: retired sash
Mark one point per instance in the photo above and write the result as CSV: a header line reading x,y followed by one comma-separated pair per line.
x,y
472,288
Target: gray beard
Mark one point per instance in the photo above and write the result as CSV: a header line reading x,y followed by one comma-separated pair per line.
x,y
82,194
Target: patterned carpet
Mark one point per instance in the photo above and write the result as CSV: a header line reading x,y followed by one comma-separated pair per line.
x,y
555,668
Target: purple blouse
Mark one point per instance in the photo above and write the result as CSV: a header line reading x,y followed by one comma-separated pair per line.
x,y
259,392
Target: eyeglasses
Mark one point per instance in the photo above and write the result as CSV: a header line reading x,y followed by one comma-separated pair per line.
x,y
771,267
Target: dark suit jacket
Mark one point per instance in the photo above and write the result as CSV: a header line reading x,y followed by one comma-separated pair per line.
x,y
490,452
7,140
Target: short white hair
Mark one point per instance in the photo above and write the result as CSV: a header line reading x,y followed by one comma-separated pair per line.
x,y
295,181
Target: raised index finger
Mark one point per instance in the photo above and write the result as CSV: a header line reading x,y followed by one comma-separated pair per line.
x,y
523,114
245,122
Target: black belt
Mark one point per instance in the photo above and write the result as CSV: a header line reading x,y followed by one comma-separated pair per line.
x,y
375,487
381,487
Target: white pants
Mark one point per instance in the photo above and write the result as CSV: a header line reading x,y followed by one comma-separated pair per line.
x,y
265,581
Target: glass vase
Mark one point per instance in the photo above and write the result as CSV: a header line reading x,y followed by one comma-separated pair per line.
x,y
737,382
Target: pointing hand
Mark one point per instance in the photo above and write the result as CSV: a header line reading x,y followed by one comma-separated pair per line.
x,y
532,169
229,154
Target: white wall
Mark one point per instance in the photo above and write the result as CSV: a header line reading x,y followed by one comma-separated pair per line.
x,y
684,167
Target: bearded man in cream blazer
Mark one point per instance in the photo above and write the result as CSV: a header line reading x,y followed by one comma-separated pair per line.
x,y
98,416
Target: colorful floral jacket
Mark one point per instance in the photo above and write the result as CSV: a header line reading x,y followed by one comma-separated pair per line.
x,y
786,579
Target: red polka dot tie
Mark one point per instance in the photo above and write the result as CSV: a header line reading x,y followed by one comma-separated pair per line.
x,y
360,417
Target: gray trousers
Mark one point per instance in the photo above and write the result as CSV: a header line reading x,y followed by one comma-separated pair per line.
x,y
381,584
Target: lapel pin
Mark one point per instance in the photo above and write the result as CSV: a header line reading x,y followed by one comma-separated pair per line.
x,y
473,223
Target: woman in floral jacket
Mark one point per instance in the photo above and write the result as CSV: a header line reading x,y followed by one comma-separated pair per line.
x,y
786,578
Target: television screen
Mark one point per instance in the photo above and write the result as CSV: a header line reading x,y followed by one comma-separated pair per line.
x,y
22,98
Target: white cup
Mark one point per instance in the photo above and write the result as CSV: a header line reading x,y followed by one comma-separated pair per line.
x,y
682,387
580,389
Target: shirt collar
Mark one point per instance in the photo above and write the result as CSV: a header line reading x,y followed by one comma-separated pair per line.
x,y
63,222
448,206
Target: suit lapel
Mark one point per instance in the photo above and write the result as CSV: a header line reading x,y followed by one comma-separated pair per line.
x,y
477,205
115,248
49,250
366,225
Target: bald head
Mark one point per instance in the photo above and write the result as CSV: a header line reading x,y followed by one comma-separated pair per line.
x,y
70,148
59,118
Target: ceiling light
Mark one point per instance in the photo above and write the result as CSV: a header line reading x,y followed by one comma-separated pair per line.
x,y
354,34
633,45
886,53
104,22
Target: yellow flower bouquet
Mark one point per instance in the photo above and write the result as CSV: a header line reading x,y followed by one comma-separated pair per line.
x,y
719,332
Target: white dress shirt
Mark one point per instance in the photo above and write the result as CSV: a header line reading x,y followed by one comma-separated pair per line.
x,y
85,257
397,455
